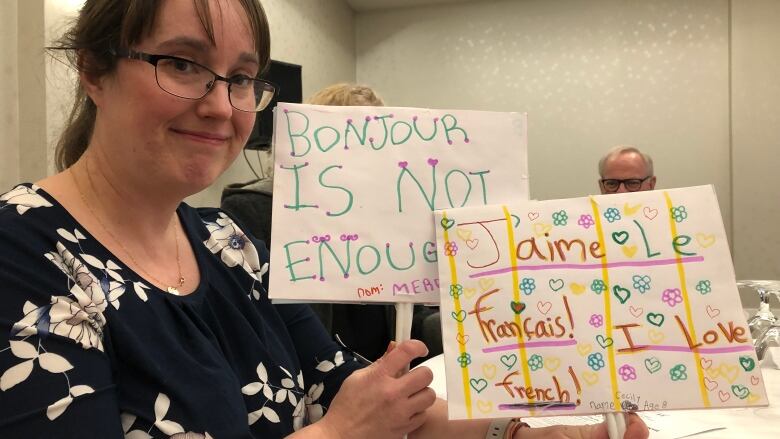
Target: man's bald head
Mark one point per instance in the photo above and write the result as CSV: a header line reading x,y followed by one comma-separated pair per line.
x,y
626,169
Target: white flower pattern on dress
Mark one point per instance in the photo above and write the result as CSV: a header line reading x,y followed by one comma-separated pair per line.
x,y
77,316
238,250
78,313
24,198
287,391
234,247
309,410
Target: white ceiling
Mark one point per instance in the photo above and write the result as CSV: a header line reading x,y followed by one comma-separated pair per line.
x,y
374,5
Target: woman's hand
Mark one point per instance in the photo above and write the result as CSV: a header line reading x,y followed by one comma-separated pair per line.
x,y
635,429
382,400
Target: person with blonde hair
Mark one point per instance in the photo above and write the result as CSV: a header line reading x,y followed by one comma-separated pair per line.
x,y
344,94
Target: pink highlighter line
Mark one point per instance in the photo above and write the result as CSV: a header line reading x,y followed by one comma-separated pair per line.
x,y
531,344
664,348
541,406
588,266
726,350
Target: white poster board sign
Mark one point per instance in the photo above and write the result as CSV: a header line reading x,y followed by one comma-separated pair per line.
x,y
592,305
354,188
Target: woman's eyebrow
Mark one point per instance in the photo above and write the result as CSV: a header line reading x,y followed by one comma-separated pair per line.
x,y
183,41
250,58
202,46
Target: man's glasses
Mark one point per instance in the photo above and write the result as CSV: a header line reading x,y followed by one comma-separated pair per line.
x,y
190,80
631,184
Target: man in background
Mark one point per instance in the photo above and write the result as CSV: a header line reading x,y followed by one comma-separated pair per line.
x,y
626,169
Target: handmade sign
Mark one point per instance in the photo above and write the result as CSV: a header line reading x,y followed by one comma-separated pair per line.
x,y
354,188
592,305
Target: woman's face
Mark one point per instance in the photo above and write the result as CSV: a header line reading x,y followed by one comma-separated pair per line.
x,y
161,139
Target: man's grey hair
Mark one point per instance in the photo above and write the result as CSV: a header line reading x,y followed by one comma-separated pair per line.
x,y
623,149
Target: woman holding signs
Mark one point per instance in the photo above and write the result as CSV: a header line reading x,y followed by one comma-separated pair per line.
x,y
126,313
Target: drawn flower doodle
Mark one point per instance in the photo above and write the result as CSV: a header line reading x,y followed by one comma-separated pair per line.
x,y
535,362
627,372
527,285
704,287
672,296
612,214
596,361
678,373
679,214
596,320
586,221
641,283
598,286
456,290
560,218
451,248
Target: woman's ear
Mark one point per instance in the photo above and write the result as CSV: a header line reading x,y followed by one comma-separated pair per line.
x,y
91,80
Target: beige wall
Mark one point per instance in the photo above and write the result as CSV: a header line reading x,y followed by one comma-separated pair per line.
x,y
590,74
36,92
9,97
60,77
756,133
32,90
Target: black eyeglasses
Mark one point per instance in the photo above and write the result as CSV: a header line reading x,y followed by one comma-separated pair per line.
x,y
631,184
189,80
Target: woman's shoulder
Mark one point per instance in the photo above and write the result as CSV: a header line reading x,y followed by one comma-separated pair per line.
x,y
226,237
204,218
215,220
27,215
22,199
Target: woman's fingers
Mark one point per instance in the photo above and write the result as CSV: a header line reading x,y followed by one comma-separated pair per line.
x,y
397,361
421,400
636,428
416,421
415,380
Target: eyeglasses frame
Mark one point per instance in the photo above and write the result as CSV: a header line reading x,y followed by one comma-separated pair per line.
x,y
623,182
153,59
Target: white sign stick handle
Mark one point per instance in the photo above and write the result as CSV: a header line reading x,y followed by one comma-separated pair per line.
x,y
403,323
616,425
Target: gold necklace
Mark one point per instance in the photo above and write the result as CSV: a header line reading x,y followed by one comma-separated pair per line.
x,y
170,289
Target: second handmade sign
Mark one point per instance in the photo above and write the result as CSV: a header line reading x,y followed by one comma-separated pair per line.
x,y
593,305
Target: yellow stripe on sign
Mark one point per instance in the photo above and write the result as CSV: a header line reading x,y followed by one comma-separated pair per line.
x,y
607,306
510,232
705,397
456,305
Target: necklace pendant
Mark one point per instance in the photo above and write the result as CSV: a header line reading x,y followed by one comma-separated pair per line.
x,y
173,290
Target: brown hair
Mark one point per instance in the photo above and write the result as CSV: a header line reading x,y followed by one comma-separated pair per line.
x,y
104,26
346,95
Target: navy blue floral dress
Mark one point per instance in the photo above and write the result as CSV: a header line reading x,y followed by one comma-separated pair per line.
x,y
90,349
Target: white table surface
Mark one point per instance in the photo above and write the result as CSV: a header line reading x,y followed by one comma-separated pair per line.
x,y
748,423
